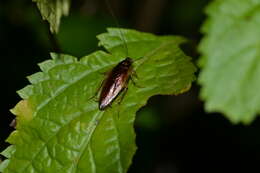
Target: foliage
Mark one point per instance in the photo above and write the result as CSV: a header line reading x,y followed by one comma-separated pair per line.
x,y
230,59
52,11
59,126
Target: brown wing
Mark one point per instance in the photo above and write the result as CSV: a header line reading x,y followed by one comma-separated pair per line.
x,y
115,82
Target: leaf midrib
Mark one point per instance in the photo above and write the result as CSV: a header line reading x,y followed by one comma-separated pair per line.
x,y
94,119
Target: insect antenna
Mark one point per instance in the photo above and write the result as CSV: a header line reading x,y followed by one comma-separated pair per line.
x,y
117,24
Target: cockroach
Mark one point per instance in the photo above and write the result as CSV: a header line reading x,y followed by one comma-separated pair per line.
x,y
115,83
117,79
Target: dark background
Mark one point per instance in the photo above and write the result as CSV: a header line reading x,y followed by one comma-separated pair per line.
x,y
174,134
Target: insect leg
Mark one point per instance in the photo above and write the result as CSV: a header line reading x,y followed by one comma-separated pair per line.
x,y
105,72
123,93
97,91
102,83
134,74
134,82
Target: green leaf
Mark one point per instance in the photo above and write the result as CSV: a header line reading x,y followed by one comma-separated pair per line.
x,y
8,151
52,11
59,126
3,165
230,59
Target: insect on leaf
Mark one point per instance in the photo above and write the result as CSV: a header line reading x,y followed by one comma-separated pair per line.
x,y
60,128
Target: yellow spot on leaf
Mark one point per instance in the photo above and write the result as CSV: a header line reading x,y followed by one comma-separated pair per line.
x,y
23,111
185,89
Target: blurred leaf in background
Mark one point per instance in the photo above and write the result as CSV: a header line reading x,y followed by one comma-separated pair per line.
x,y
52,11
230,60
